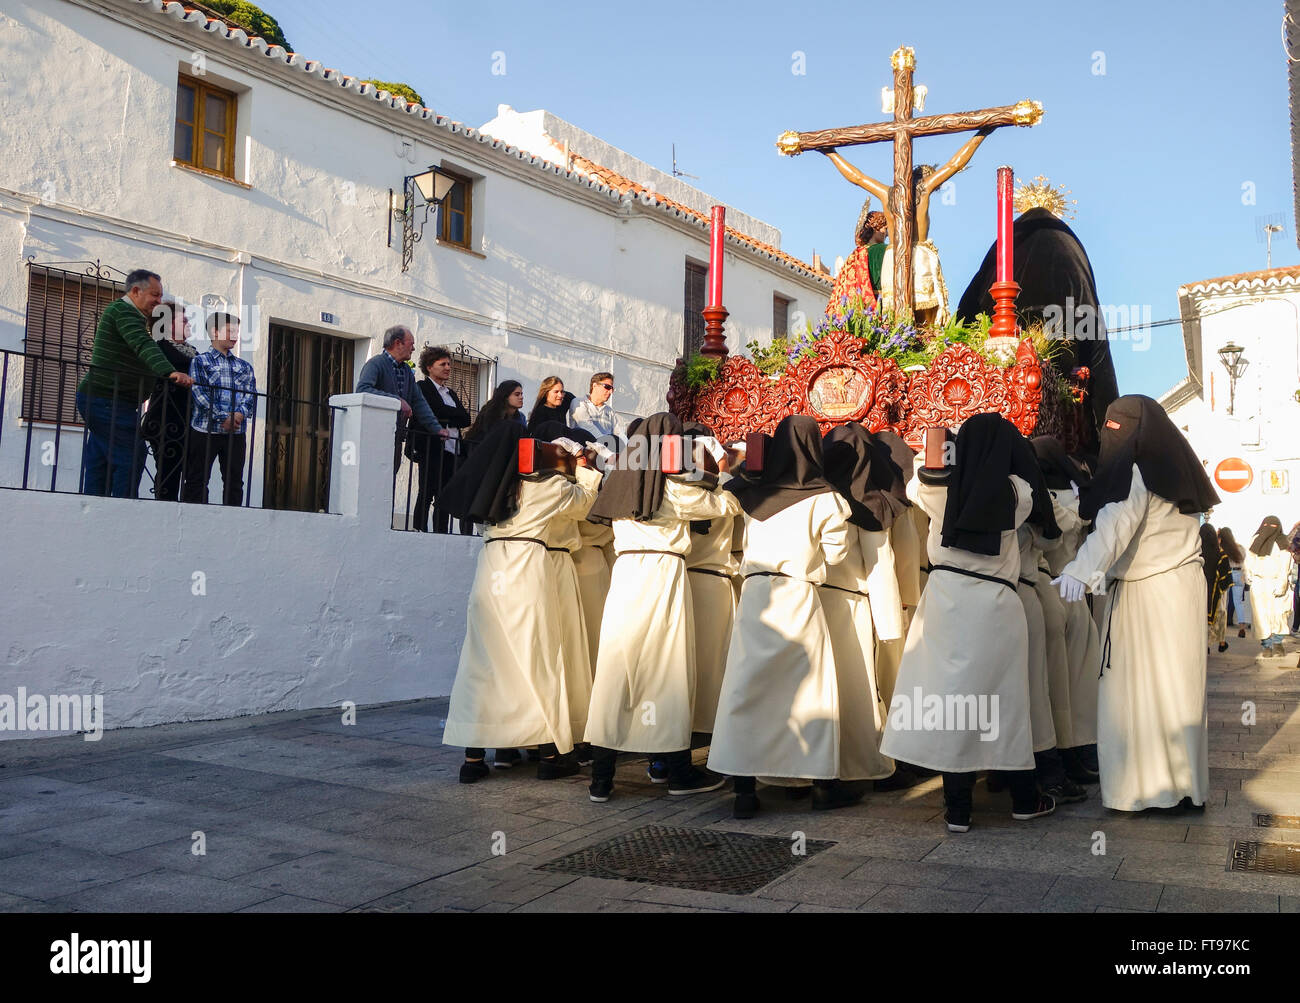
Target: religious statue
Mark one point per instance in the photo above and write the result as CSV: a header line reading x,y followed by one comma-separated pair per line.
x,y
858,279
907,201
930,293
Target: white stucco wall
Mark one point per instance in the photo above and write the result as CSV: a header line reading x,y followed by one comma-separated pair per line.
x,y
1264,429
178,612
565,280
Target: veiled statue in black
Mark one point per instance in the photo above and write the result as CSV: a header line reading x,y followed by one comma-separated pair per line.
x,y
1058,288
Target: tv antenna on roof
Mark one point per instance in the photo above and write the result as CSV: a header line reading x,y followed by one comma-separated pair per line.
x,y
676,172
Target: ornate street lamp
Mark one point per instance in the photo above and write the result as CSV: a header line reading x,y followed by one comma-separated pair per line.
x,y
432,186
1231,357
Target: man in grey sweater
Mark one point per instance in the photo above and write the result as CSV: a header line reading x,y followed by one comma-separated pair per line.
x,y
388,374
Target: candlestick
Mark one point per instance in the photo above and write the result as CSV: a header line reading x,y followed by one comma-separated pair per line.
x,y
716,244
1006,240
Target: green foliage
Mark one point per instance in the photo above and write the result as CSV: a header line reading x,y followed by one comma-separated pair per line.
x,y
253,20
400,90
701,369
772,359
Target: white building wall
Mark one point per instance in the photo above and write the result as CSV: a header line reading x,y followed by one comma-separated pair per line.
x,y
564,280
1264,429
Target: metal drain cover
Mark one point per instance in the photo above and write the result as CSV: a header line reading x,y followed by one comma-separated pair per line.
x,y
734,863
1266,821
1264,858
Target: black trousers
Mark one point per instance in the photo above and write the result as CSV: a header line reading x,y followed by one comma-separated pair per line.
x,y
435,470
1048,767
228,449
603,761
957,788
169,464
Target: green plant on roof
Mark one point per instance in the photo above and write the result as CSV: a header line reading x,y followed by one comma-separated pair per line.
x,y
252,19
400,90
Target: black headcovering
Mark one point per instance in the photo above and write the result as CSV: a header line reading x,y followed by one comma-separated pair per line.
x,y
981,501
1137,430
1269,536
899,451
637,493
1052,268
860,467
792,470
1210,554
484,489
1059,467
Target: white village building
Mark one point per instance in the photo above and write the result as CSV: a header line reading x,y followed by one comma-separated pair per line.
x,y
1247,435
146,134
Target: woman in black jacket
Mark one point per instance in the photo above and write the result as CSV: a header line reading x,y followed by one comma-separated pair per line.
x,y
166,420
437,459
552,403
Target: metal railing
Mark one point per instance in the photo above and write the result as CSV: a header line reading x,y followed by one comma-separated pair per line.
x,y
295,445
425,464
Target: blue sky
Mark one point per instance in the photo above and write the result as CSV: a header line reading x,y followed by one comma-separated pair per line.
x,y
1191,106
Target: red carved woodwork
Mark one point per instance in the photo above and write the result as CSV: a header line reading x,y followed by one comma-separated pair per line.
x,y
842,384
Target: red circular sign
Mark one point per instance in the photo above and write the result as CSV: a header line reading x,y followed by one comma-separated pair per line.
x,y
1233,474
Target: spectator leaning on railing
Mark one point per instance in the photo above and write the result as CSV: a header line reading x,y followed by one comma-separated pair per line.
x,y
225,398
437,458
166,421
123,366
388,374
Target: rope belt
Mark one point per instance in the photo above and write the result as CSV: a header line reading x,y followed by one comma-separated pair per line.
x,y
560,550
778,574
709,571
521,539
1027,581
841,588
666,553
973,574
1114,602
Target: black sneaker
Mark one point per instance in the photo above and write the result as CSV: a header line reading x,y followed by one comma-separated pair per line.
x,y
601,790
746,806
1046,805
1187,804
472,773
1223,646
957,821
839,794
696,782
1066,792
657,771
557,767
583,754
506,758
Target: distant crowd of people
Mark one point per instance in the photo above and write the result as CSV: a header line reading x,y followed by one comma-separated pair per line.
x,y
1257,588
199,404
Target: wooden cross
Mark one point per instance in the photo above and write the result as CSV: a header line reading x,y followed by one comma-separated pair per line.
x,y
901,131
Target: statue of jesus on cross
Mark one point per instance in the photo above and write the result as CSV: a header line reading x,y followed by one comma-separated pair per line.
x,y
907,201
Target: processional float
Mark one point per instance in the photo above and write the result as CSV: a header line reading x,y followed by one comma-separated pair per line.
x,y
838,378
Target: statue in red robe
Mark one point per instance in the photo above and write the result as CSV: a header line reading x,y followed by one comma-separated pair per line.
x,y
854,279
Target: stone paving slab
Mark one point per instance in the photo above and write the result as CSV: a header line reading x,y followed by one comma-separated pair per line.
x,y
302,813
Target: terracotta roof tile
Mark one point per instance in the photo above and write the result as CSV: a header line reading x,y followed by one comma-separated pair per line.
x,y
1262,278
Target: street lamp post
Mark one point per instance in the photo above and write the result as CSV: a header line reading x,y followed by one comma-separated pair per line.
x,y
1269,230
1231,357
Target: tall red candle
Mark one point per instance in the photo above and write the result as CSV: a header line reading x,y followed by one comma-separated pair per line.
x,y
717,239
1006,249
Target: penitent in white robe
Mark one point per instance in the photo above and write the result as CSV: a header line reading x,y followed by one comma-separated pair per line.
x,y
1083,649
1058,657
643,698
1040,700
967,643
1152,742
1270,593
905,544
710,568
563,539
591,563
779,714
510,688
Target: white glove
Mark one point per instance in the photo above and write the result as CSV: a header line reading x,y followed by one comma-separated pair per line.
x,y
1071,588
1075,488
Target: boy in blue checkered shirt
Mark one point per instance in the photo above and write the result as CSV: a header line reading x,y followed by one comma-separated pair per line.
x,y
224,402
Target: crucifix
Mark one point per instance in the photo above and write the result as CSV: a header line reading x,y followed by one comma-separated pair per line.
x,y
900,201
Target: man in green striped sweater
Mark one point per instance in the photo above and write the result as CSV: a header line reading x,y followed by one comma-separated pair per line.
x,y
124,364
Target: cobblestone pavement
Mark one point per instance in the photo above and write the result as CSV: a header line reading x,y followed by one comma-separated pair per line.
x,y
300,813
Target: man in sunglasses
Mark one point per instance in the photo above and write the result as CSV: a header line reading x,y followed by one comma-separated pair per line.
x,y
595,414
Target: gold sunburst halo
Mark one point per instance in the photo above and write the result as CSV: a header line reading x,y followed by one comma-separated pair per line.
x,y
1044,195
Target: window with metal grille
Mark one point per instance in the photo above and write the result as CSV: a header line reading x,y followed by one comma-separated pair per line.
x,y
63,309
693,319
455,212
205,127
780,316
466,382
